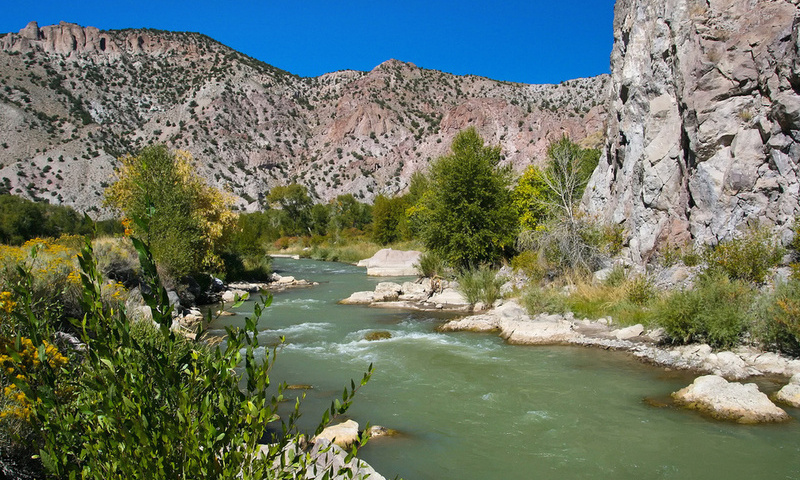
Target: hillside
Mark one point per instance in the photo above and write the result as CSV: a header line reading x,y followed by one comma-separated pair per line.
x,y
73,99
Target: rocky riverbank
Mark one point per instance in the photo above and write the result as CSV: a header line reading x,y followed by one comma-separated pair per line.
x,y
711,394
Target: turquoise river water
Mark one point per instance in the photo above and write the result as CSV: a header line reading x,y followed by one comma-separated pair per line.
x,y
468,406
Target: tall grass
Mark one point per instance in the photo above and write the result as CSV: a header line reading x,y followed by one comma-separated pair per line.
x,y
480,285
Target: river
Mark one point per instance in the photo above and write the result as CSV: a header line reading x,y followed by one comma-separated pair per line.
x,y
468,406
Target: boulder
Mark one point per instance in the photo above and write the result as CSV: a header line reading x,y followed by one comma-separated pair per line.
x,y
542,330
343,434
392,263
414,292
742,403
330,458
387,292
449,297
359,298
229,296
629,332
790,393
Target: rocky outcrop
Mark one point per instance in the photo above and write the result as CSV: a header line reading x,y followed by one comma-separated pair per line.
x,y
704,126
423,294
742,403
514,324
392,263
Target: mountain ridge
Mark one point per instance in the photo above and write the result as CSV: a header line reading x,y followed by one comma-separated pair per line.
x,y
74,98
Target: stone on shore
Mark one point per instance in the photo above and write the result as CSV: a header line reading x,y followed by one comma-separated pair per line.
x,y
629,333
742,403
343,434
542,330
359,298
790,393
392,263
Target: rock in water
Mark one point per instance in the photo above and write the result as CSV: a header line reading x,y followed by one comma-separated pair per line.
x,y
343,434
790,394
742,403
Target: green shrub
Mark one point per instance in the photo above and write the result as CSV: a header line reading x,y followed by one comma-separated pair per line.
x,y
691,257
431,265
544,300
715,311
528,262
640,290
480,285
141,402
747,258
617,276
778,318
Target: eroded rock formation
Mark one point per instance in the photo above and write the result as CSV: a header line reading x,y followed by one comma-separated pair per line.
x,y
704,125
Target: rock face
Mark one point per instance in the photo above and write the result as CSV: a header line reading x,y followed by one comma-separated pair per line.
x,y
742,403
392,263
76,98
704,125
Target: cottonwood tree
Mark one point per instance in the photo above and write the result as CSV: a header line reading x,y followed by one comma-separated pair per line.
x,y
466,214
188,219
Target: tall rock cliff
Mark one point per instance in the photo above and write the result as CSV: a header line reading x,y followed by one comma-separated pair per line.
x,y
704,121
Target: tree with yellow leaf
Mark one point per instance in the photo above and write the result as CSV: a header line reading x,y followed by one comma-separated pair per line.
x,y
188,219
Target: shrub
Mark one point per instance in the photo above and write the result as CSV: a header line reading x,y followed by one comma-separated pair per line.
x,y
715,311
748,257
544,300
617,277
480,285
640,290
530,264
778,318
431,265
142,402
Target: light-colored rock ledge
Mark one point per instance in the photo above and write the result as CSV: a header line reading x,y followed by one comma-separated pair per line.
x,y
723,400
514,324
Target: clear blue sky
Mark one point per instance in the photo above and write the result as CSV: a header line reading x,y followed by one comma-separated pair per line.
x,y
523,41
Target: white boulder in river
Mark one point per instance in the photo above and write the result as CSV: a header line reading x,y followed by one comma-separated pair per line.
x,y
392,263
724,400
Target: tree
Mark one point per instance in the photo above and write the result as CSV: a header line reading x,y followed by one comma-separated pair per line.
x,y
466,215
295,205
347,213
566,175
548,201
188,219
388,219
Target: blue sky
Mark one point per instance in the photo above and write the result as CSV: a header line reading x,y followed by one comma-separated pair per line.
x,y
521,41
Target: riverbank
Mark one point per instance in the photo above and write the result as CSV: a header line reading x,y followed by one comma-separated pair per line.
x,y
512,322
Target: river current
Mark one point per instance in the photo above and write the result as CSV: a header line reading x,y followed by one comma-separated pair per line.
x,y
468,406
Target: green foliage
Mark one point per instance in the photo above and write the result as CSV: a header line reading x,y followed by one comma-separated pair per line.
x,y
778,315
531,198
544,300
22,220
640,290
530,264
716,311
480,284
189,220
548,201
295,206
617,277
348,213
466,215
432,265
389,219
141,402
746,258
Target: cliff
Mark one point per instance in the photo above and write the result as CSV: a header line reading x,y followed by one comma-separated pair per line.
x,y
704,121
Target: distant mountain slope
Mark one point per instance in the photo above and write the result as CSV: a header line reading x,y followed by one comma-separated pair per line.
x,y
72,99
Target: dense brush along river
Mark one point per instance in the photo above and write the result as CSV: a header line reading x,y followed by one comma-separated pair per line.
x,y
469,406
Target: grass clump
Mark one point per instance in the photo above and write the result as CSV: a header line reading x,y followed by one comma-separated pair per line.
x,y
480,285
432,265
778,318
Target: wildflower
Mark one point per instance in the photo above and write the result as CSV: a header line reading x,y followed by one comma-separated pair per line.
x,y
6,303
